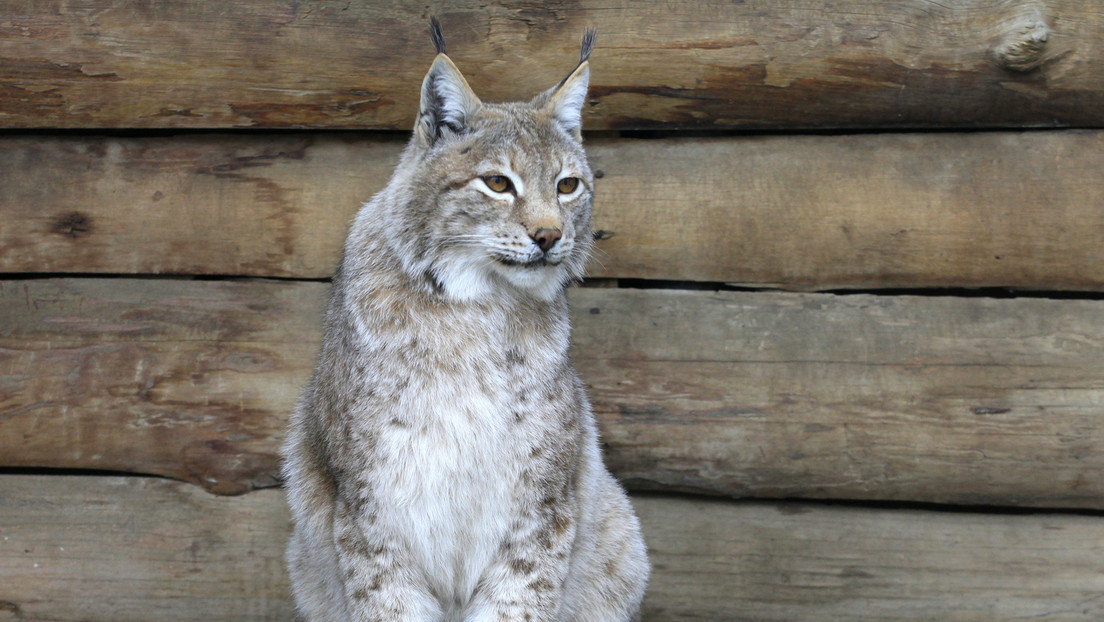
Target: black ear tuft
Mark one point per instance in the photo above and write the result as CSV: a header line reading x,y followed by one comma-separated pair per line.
x,y
588,44
438,36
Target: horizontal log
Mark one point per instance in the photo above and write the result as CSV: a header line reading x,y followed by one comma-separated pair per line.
x,y
137,549
821,212
716,560
183,379
270,205
875,211
108,548
713,64
966,401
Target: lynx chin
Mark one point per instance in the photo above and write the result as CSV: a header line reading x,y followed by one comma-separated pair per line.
x,y
443,463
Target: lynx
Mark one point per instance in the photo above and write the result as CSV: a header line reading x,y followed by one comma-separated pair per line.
x,y
443,462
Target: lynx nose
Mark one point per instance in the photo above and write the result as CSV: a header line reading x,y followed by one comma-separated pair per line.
x,y
545,237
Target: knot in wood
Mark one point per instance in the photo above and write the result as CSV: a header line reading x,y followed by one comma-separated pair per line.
x,y
1022,49
72,225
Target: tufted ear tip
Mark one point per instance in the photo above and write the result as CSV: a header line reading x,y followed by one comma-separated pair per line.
x,y
437,34
589,35
447,101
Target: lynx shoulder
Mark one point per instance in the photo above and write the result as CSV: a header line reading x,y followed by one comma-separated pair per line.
x,y
443,462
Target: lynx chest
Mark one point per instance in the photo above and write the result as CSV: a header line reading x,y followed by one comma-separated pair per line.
x,y
455,437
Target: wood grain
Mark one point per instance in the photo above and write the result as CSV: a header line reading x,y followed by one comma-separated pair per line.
x,y
872,211
136,549
270,205
716,560
815,212
120,549
966,401
185,379
713,64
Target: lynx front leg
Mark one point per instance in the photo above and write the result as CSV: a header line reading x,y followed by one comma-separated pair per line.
x,y
378,587
526,581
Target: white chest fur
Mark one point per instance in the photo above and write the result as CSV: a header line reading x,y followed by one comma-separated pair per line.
x,y
447,482
451,450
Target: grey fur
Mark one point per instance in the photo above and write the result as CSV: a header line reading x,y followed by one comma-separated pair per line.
x,y
443,463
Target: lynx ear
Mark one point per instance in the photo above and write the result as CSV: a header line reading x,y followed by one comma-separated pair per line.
x,y
565,103
447,100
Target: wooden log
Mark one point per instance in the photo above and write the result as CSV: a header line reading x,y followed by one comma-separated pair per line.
x,y
716,560
258,206
965,401
184,379
712,64
815,212
136,549
110,548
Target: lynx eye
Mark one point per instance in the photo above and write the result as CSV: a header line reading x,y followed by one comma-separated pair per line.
x,y
498,183
567,185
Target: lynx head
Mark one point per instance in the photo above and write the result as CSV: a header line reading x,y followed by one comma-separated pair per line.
x,y
499,194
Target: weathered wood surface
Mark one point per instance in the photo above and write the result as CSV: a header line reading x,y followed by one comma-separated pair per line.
x,y
969,401
715,560
946,210
275,205
119,549
184,379
138,549
712,64
868,211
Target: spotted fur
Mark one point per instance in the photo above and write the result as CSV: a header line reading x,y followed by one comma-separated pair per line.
x,y
443,463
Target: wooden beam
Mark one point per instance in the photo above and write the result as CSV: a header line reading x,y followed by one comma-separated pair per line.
x,y
815,212
874,211
717,560
184,379
128,548
111,548
712,64
966,401
273,205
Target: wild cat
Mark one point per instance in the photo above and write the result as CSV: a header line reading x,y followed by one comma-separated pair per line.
x,y
443,463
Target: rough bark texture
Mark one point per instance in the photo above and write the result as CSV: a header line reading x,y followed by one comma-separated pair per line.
x,y
773,395
1006,209
713,64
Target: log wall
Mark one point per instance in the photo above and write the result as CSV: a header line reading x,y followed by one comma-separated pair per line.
x,y
156,545
847,370
761,395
